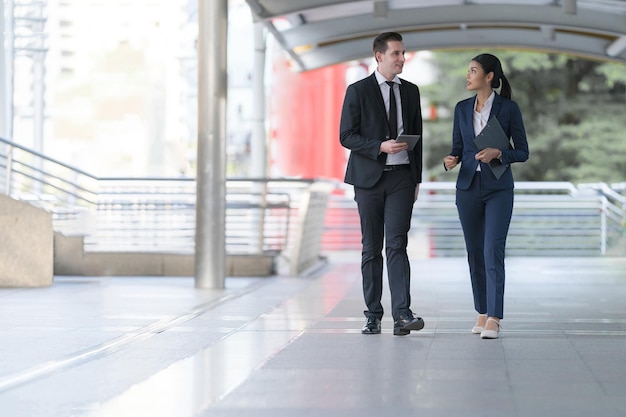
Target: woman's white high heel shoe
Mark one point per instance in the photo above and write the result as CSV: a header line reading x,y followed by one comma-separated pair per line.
x,y
490,334
478,329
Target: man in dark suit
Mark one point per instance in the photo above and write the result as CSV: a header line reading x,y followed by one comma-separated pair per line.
x,y
386,177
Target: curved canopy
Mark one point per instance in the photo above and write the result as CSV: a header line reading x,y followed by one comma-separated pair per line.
x,y
317,33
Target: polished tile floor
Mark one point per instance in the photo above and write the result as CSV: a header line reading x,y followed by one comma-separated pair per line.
x,y
291,346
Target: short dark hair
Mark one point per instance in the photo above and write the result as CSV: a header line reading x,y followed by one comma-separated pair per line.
x,y
380,43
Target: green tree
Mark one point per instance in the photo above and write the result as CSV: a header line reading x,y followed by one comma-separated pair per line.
x,y
573,112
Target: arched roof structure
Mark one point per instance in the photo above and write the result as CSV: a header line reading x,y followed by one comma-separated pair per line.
x,y
317,33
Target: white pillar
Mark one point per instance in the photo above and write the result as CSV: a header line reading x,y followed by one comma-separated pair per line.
x,y
210,254
6,79
258,144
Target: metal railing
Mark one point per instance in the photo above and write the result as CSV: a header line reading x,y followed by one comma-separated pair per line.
x,y
263,216
67,192
298,219
278,217
29,175
549,219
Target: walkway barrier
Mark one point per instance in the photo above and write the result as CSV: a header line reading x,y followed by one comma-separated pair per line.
x,y
298,221
549,219
278,217
282,218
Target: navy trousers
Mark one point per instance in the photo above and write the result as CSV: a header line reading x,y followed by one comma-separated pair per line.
x,y
485,218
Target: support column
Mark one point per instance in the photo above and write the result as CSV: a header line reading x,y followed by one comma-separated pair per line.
x,y
210,254
258,145
8,59
3,77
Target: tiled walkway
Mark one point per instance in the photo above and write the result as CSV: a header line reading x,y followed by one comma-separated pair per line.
x,y
280,346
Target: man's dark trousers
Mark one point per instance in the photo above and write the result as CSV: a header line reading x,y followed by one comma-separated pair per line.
x,y
385,211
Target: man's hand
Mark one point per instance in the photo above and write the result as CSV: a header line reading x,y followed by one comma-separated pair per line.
x,y
391,146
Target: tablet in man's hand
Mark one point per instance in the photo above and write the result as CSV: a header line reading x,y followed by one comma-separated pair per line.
x,y
412,140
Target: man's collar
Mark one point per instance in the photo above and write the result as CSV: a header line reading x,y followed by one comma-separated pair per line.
x,y
380,78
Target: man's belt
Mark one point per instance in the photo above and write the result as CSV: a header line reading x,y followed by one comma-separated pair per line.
x,y
396,167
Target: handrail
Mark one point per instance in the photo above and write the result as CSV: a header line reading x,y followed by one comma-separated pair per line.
x,y
50,184
607,191
154,213
30,172
46,158
162,209
549,219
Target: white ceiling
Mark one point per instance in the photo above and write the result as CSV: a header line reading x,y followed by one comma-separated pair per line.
x,y
317,33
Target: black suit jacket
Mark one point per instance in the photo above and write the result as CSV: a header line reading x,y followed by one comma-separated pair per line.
x,y
364,126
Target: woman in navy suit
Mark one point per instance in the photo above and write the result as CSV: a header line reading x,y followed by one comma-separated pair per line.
x,y
485,202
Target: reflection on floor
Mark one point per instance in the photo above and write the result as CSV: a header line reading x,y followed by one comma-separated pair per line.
x,y
291,346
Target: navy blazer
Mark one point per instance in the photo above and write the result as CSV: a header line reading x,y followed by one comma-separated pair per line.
x,y
510,117
363,127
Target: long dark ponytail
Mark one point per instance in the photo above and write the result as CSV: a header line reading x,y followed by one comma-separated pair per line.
x,y
491,63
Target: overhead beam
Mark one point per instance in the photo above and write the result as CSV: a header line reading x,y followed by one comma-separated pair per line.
x,y
570,7
281,40
570,43
275,8
426,18
380,9
561,26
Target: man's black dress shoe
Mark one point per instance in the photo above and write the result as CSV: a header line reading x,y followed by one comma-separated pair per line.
x,y
372,326
406,323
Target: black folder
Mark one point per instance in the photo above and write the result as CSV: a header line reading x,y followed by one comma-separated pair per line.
x,y
493,136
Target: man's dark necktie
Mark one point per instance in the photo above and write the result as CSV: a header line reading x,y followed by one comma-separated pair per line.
x,y
393,112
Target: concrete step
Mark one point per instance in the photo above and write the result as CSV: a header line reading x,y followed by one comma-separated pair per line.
x,y
70,259
26,244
